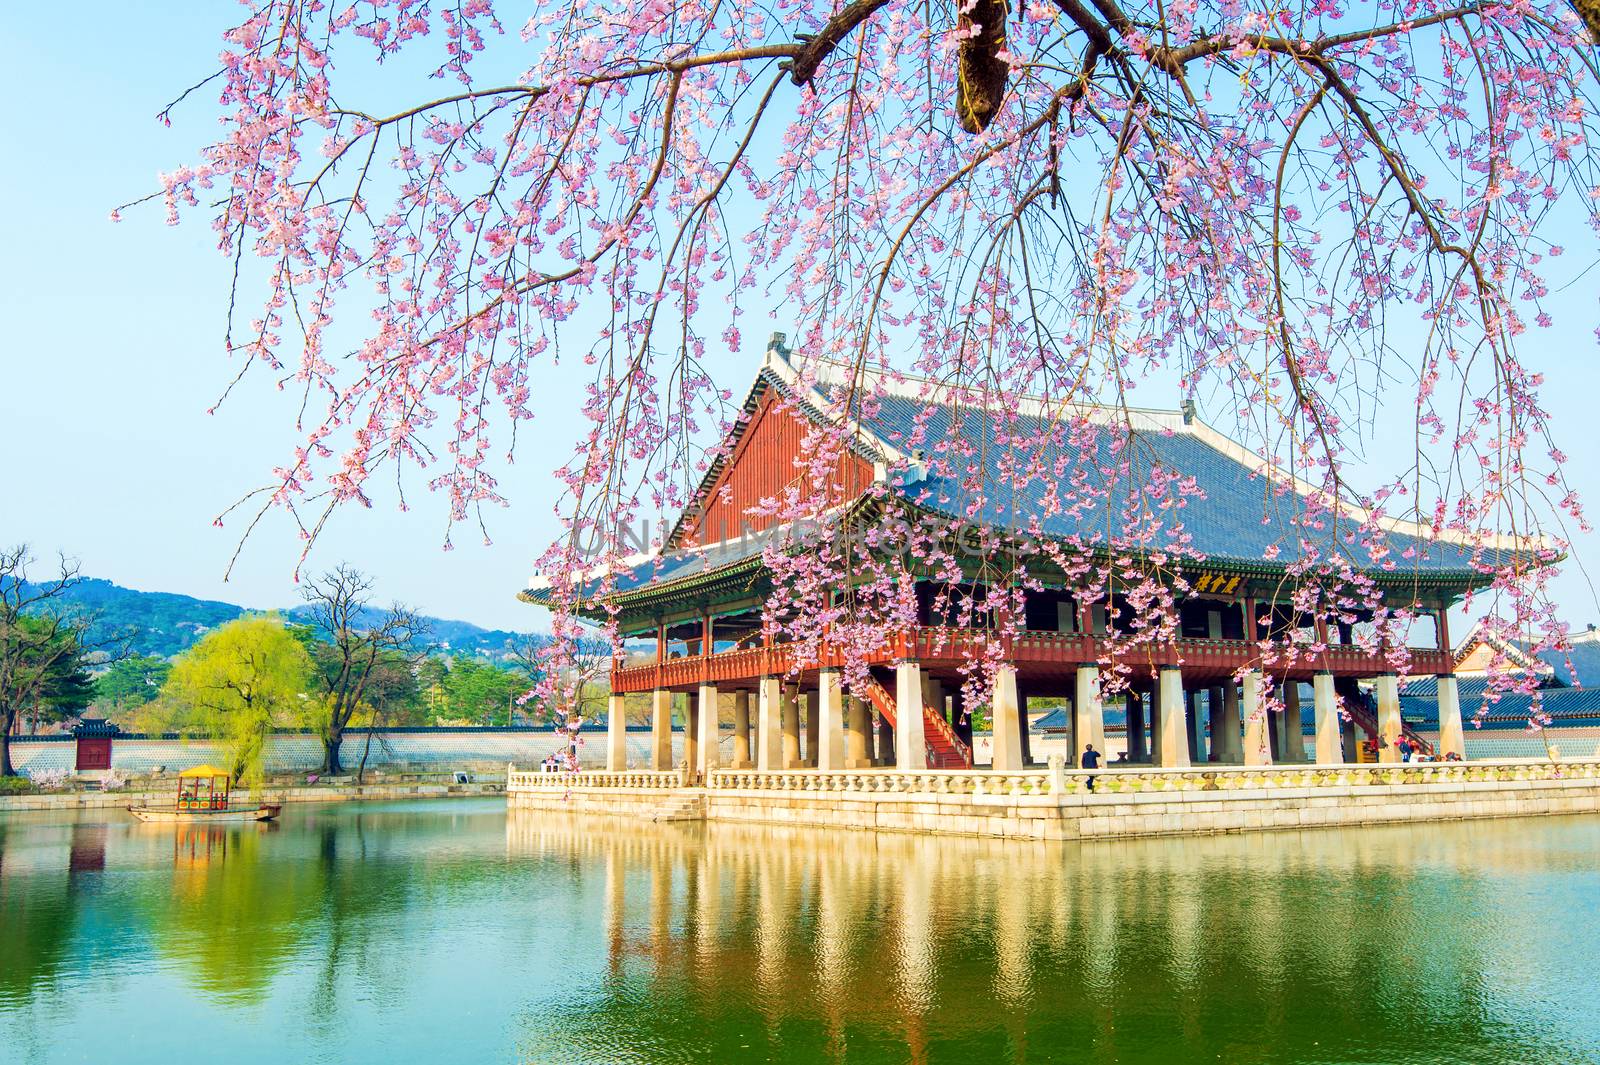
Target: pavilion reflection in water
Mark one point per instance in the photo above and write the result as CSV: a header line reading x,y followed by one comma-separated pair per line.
x,y
927,938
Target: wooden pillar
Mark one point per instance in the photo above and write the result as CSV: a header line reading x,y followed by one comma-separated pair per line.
x,y
769,724
1007,742
827,737
710,737
910,740
741,731
660,730
1172,746
617,733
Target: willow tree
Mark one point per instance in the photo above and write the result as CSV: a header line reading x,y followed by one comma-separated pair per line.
x,y
1309,218
238,683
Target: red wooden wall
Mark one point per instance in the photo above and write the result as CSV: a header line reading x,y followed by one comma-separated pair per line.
x,y
762,464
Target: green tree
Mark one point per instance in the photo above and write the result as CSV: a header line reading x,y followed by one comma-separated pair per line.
x,y
130,684
482,692
350,643
238,683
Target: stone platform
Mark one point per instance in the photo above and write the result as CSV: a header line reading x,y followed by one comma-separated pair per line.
x,y
1054,804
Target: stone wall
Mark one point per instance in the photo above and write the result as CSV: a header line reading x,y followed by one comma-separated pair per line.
x,y
1056,806
476,749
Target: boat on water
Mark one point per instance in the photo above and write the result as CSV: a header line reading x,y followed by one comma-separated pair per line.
x,y
205,793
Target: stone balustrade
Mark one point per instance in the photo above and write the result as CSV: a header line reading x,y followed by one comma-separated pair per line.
x,y
1058,781
636,779
1116,781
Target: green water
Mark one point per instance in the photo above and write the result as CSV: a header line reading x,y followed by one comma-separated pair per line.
x,y
446,932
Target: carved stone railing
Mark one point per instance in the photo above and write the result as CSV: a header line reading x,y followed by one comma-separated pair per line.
x,y
637,779
1060,781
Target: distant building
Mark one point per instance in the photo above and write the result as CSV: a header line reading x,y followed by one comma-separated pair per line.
x,y
1566,685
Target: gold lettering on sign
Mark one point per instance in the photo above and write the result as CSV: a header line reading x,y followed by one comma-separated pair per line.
x,y
1217,583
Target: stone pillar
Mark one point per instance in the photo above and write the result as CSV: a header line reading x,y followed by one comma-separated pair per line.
x,y
1195,727
1292,740
1257,742
741,731
710,738
617,733
910,743
1451,738
1088,716
691,734
1135,729
1215,707
791,727
857,734
1172,746
769,726
1005,712
660,730
1232,747
1326,707
1152,705
827,738
1387,689
883,754
960,720
933,695
1022,727
813,734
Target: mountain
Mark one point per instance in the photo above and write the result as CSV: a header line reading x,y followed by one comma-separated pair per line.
x,y
165,623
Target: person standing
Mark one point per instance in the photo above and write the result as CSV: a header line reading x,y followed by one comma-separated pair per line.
x,y
1090,760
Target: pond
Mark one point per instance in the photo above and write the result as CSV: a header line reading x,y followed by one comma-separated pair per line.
x,y
445,931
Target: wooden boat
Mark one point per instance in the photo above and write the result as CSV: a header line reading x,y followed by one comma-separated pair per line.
x,y
201,798
265,812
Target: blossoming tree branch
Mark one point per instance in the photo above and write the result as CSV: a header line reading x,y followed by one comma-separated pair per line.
x,y
1314,218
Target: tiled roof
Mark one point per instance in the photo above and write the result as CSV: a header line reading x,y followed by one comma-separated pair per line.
x,y
1580,665
664,569
1240,517
1570,706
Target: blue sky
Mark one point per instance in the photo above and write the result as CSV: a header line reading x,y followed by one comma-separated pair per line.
x,y
112,353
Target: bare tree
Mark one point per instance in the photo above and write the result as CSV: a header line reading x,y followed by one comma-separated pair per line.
x,y
354,641
36,634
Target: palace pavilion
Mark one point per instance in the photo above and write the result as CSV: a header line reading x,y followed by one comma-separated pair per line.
x,y
1194,699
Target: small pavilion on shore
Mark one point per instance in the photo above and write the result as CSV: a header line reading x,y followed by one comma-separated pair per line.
x,y
1193,699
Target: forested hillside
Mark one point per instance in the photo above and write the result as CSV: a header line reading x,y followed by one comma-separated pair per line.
x,y
165,624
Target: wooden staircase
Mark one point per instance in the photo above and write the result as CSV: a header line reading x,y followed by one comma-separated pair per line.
x,y
945,749
1367,718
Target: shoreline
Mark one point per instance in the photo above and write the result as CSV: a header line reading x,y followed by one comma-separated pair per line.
x,y
98,800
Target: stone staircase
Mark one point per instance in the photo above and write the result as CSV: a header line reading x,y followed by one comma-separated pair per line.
x,y
681,806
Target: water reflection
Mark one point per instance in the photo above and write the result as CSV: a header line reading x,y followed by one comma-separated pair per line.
x,y
1271,947
448,932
